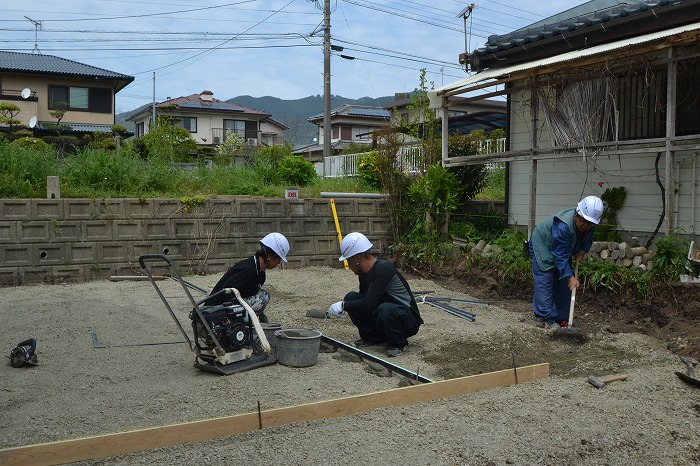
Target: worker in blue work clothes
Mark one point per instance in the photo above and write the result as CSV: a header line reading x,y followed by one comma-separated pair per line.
x,y
384,310
554,241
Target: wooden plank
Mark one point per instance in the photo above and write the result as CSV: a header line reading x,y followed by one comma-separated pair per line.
x,y
121,443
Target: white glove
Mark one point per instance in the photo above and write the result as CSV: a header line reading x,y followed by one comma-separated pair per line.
x,y
336,310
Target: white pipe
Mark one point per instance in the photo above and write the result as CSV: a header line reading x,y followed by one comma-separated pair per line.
x,y
355,195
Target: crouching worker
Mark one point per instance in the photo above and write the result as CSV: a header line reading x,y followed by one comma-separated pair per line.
x,y
384,310
248,275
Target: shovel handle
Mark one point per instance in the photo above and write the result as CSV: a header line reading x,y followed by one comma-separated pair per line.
x,y
573,297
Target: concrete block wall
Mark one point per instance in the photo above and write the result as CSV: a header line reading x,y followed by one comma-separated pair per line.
x,y
75,240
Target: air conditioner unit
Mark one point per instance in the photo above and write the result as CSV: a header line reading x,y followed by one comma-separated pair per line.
x,y
252,142
217,140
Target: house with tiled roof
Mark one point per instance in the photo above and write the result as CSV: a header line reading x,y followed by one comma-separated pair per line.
x,y
209,120
40,84
601,96
350,125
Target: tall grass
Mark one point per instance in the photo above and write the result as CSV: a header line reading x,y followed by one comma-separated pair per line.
x,y
101,173
23,171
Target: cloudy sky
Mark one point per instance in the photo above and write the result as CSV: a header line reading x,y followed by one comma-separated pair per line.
x,y
264,47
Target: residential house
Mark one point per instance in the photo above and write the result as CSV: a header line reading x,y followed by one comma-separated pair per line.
x,y
354,125
209,120
600,96
465,115
41,84
350,124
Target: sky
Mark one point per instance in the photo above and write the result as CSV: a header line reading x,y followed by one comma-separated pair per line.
x,y
264,47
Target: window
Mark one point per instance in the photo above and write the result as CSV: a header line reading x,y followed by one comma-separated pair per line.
x,y
245,129
140,129
346,133
641,101
189,123
688,97
237,126
362,133
89,99
336,132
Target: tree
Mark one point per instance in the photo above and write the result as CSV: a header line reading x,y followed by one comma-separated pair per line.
x,y
59,111
8,112
168,142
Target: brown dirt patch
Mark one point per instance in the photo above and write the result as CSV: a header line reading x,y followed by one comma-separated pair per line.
x,y
670,314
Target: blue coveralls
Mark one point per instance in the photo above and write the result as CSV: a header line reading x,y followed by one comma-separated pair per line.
x,y
552,294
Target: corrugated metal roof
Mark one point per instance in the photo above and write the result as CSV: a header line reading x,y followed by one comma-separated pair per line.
x,y
499,74
592,13
50,65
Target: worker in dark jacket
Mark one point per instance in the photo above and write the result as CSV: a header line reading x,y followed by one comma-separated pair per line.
x,y
554,241
384,310
248,275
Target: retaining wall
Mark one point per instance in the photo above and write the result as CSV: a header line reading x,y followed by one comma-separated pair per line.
x,y
75,240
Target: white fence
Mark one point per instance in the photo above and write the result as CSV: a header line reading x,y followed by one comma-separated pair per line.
x,y
408,160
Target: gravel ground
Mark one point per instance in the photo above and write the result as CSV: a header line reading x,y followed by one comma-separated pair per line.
x,y
138,377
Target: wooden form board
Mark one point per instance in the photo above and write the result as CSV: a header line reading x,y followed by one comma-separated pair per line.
x,y
121,443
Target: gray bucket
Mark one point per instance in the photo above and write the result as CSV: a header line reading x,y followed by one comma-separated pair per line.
x,y
270,330
298,347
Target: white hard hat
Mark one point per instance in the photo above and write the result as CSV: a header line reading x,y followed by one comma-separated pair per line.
x,y
278,243
354,243
590,208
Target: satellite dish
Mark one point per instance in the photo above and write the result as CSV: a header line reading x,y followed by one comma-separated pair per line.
x,y
32,122
26,93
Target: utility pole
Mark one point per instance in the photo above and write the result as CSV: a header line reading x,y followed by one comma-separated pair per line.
x,y
326,82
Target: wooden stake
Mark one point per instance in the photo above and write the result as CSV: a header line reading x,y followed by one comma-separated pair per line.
x,y
100,446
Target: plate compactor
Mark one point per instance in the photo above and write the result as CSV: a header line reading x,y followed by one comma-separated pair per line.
x,y
228,338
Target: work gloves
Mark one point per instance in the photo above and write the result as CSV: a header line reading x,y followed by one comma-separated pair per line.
x,y
336,310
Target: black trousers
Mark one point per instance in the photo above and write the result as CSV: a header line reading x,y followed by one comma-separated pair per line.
x,y
389,322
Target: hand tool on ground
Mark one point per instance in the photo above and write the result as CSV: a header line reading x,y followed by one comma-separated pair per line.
x,y
227,338
600,382
689,377
573,298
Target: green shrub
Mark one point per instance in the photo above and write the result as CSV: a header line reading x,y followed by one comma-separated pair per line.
x,y
294,169
670,257
368,169
516,267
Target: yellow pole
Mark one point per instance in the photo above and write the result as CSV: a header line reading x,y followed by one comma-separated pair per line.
x,y
337,228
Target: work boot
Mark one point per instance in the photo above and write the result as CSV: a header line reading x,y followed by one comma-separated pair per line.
x,y
396,350
361,343
551,325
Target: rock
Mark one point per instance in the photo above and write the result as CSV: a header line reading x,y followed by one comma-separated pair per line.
x,y
316,313
377,369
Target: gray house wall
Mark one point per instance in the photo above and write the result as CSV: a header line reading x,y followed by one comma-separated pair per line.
x,y
76,240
